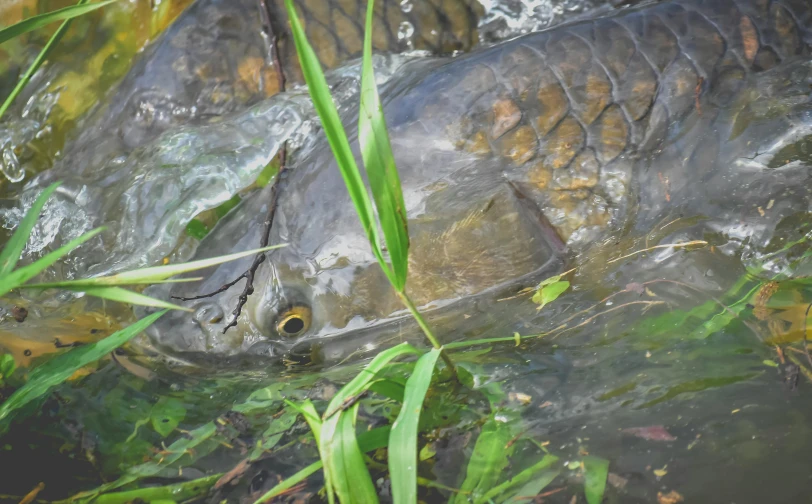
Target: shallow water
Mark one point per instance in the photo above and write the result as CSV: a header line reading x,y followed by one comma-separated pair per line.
x,y
647,344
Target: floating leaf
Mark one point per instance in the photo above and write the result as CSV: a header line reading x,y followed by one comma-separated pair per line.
x,y
596,470
403,439
549,290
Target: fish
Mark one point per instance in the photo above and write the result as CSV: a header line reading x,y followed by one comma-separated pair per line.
x,y
512,158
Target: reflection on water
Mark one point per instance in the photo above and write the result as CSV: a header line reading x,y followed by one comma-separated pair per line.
x,y
662,362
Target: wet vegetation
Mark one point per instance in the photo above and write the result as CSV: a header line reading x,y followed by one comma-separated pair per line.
x,y
116,426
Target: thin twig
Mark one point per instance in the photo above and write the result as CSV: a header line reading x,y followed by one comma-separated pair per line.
x,y
250,273
806,348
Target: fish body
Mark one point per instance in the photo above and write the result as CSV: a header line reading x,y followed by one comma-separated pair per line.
x,y
515,154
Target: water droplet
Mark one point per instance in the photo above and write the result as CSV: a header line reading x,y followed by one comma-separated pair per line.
x,y
208,313
10,165
406,6
405,31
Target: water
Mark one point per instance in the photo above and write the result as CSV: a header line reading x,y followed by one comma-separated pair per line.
x,y
650,371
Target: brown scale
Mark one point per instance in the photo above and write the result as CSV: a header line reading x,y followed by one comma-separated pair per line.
x,y
789,40
335,29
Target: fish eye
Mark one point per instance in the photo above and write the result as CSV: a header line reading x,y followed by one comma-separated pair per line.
x,y
294,321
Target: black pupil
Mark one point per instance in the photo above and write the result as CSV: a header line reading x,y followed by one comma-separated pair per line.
x,y
293,325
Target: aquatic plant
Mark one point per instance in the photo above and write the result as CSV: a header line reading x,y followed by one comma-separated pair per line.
x,y
57,370
65,15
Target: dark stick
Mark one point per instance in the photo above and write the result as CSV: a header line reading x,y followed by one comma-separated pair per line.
x,y
249,274
806,347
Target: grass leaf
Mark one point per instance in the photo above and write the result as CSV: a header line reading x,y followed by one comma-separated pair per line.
x,y
337,444
367,441
403,439
174,492
596,470
376,151
534,486
34,22
126,296
344,461
46,50
19,276
362,380
154,274
336,136
43,378
14,247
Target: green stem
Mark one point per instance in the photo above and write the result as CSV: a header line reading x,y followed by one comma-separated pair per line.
x,y
37,62
427,330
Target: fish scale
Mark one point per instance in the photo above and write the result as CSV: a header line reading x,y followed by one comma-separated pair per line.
x,y
507,153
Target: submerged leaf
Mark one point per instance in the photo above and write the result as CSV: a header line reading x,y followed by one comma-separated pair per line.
x,y
43,378
403,439
488,461
166,415
596,470
539,481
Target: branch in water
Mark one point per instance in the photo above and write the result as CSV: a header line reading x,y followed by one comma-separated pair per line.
x,y
249,274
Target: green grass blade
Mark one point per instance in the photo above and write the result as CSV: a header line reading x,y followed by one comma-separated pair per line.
x,y
337,444
363,379
522,478
37,62
34,22
596,470
367,441
155,274
14,248
489,459
403,439
336,136
290,482
344,461
19,276
376,151
121,295
60,368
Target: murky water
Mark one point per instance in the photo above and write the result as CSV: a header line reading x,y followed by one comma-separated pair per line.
x,y
663,362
